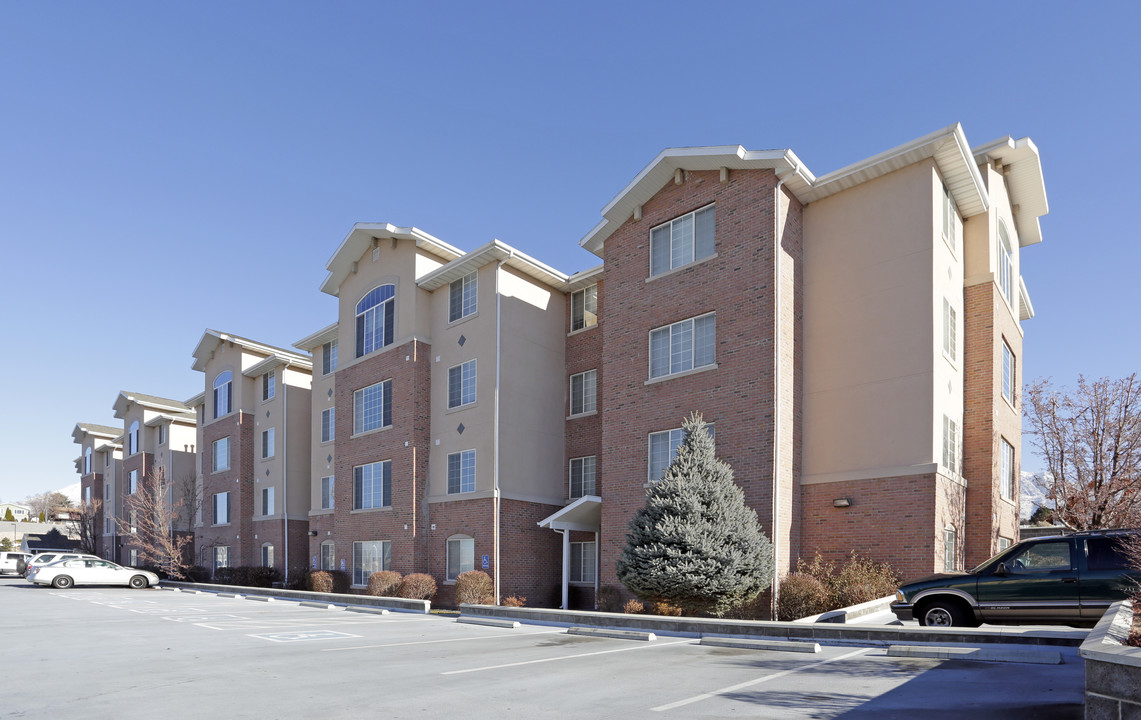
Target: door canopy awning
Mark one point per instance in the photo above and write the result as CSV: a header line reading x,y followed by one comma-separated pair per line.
x,y
583,514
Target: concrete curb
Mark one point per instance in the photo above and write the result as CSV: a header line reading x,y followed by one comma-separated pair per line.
x,y
1113,668
422,607
619,634
1009,655
490,622
318,605
363,609
848,614
747,644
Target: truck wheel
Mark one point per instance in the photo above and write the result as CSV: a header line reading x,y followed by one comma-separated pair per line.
x,y
942,613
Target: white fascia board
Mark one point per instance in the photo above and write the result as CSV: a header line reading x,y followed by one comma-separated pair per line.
x,y
317,339
583,279
1025,307
494,251
211,339
582,514
126,398
1024,182
360,238
202,351
277,360
199,399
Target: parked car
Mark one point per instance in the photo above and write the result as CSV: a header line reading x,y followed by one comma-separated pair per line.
x,y
11,563
90,571
46,558
1067,580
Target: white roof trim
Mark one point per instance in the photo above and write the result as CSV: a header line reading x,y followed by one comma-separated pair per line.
x,y
317,339
274,361
1025,307
582,514
493,251
360,239
1023,181
211,339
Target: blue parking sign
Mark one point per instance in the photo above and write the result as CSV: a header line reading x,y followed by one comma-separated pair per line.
x,y
486,562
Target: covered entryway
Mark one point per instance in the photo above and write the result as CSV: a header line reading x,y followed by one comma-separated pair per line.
x,y
583,515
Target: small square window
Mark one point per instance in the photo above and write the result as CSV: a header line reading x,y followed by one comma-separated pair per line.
x,y
584,308
462,300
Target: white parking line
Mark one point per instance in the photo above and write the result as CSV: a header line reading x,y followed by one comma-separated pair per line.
x,y
569,657
449,640
758,681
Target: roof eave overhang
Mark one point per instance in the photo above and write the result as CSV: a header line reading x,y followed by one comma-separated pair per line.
x,y
494,251
317,339
1022,169
126,399
196,400
211,339
583,279
583,514
276,361
90,429
1025,307
361,238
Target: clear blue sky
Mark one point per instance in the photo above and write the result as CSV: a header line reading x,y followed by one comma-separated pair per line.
x,y
168,167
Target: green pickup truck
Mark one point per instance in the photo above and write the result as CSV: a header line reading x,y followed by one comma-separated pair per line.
x,y
1065,580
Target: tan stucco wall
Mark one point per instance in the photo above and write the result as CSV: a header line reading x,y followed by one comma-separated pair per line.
x,y
322,456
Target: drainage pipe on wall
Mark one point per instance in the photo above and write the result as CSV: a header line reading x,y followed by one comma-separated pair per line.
x,y
495,452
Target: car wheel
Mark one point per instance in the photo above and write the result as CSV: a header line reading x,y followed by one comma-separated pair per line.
x,y
942,613
138,582
62,582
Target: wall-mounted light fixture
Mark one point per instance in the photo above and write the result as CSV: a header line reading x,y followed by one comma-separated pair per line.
x,y
312,533
842,502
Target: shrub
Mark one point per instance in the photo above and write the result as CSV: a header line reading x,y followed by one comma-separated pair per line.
x,y
263,577
341,581
855,581
514,601
384,583
198,574
474,587
609,599
664,608
418,586
633,606
756,609
801,595
321,581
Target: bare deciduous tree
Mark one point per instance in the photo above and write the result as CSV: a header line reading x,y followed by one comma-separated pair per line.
x,y
83,522
1091,441
149,525
46,502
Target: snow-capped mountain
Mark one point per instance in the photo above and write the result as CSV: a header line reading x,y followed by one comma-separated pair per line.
x,y
1033,492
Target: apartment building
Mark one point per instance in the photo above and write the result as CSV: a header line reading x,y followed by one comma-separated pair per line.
x,y
100,455
157,437
253,463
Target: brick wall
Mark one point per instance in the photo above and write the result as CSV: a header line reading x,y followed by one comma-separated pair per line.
x,y
238,535
584,434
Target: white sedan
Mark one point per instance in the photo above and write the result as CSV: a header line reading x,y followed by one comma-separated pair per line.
x,y
65,573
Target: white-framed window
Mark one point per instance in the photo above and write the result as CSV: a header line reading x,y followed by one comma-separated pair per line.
x,y
267,438
370,557
107,491
663,449
222,508
1006,480
132,482
327,493
133,438
267,555
87,461
221,556
582,476
682,240
223,393
1005,264
329,357
461,472
683,346
108,526
950,444
87,495
221,454
372,407
950,331
268,384
461,555
582,562
267,501
328,424
160,434
107,458
1008,373
1004,543
583,392
133,558
949,213
462,299
372,485
461,384
584,308
950,548
376,319
328,558
132,522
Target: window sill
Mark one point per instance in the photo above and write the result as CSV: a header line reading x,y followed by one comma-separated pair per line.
x,y
329,441
1008,403
457,408
365,433
576,416
951,361
684,373
362,511
220,525
462,320
582,330
950,245
680,268
219,471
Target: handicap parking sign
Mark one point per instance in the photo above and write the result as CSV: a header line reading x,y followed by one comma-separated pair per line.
x,y
486,563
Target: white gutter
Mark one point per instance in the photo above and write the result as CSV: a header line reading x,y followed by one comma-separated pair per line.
x,y
495,450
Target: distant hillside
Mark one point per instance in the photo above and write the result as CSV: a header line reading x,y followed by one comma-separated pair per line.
x,y
1033,492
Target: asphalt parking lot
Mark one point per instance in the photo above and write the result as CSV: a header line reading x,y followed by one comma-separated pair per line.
x,y
117,653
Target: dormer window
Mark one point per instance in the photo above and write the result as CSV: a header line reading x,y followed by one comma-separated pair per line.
x,y
376,318
223,393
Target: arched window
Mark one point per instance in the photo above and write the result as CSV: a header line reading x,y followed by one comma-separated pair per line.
x,y
376,319
1005,264
461,555
133,438
87,461
223,393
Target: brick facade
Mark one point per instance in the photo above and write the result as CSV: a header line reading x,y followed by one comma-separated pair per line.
x,y
236,480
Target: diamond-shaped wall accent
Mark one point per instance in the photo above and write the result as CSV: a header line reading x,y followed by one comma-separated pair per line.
x,y
462,340
461,429
329,459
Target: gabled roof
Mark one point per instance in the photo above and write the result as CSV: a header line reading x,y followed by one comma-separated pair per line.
x,y
96,431
947,147
317,339
275,361
211,339
361,238
1022,167
494,251
584,278
151,402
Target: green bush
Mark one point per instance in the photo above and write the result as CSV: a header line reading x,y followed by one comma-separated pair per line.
x,y
263,577
198,574
801,595
418,586
385,583
474,587
320,581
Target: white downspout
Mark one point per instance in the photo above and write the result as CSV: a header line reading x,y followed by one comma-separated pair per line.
x,y
495,451
285,470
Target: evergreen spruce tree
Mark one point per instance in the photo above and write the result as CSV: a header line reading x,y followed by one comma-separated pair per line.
x,y
695,544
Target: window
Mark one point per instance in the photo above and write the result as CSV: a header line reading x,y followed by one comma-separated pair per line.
x,y
133,438
221,454
683,346
663,450
950,332
1006,481
1004,543
1005,264
461,555
221,557
223,393
107,526
107,458
681,241
1042,557
87,495
328,424
267,501
950,545
582,556
267,555
372,407
328,560
132,522
268,381
582,477
327,493
329,357
372,485
87,461
107,491
950,445
461,384
583,391
584,308
267,437
370,557
376,316
222,508
132,482
461,472
1107,553
462,298
1007,373
160,434
949,219
133,558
